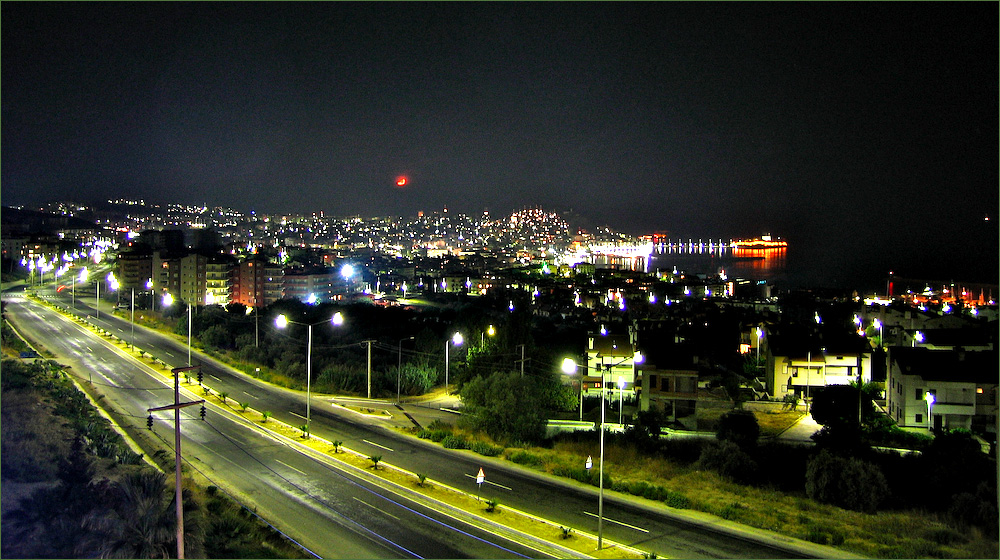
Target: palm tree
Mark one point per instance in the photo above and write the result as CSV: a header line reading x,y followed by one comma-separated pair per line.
x,y
142,523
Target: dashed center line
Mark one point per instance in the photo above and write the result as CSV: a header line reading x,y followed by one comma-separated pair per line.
x,y
619,522
377,445
375,508
291,467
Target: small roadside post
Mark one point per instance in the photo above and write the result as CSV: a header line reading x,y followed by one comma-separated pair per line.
x,y
480,478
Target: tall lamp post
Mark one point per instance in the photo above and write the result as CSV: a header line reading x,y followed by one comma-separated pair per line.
x,y
457,341
281,322
81,278
929,397
399,367
569,367
636,359
168,300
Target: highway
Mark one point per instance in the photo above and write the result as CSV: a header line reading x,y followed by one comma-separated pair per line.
x,y
332,512
626,521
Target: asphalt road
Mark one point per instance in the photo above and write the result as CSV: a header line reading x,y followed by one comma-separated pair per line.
x,y
334,513
627,521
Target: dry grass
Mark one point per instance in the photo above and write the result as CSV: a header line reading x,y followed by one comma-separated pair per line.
x,y
773,423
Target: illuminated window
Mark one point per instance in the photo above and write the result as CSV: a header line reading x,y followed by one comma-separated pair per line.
x,y
979,390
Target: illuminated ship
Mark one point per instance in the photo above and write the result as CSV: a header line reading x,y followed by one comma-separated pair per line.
x,y
763,242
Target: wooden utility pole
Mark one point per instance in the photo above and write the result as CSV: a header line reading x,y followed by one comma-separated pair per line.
x,y
176,407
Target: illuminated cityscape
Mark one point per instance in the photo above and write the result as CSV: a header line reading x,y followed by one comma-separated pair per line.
x,y
499,280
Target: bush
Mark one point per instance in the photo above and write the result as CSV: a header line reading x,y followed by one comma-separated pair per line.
x,y
522,457
729,460
847,483
739,427
487,449
455,442
677,500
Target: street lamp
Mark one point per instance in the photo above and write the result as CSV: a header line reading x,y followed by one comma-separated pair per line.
x,y
482,336
399,367
929,397
81,278
760,336
636,359
457,341
168,300
569,367
281,322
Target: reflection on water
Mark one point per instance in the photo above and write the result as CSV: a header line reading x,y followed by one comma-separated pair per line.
x,y
705,258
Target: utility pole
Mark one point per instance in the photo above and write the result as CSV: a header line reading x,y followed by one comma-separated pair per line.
x,y
521,346
176,407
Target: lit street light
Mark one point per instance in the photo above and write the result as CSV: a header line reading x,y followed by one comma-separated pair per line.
x,y
281,322
929,397
457,341
569,367
636,359
168,300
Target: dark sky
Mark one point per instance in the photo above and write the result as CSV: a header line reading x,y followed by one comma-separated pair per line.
x,y
851,123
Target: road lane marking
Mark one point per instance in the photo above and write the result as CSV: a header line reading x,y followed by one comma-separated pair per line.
x,y
215,378
299,415
619,522
375,508
291,467
251,396
377,445
168,353
488,482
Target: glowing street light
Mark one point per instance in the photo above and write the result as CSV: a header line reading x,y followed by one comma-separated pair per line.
x,y
637,358
569,367
454,340
168,300
929,397
281,321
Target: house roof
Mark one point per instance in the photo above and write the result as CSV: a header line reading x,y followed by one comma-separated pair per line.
x,y
947,365
613,346
798,344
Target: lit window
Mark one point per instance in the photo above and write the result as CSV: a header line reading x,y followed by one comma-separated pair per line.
x,y
979,390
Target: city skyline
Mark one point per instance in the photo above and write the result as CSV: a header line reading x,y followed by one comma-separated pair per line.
x,y
869,129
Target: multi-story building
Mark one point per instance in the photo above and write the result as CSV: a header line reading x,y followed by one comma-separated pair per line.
x,y
942,388
135,267
192,278
611,358
257,282
797,365
315,285
218,279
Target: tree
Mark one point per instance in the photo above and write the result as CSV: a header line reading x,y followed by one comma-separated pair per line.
x,y
836,406
506,406
739,427
845,482
142,522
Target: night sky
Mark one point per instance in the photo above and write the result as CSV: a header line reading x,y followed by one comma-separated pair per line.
x,y
871,127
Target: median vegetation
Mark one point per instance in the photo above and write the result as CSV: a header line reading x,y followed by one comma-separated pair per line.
x,y
78,491
811,493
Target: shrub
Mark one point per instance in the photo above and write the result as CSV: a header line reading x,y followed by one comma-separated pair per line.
x,y
491,505
487,449
729,460
522,457
455,442
739,427
677,500
847,483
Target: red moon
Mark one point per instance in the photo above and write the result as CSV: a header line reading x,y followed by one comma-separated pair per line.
x,y
401,181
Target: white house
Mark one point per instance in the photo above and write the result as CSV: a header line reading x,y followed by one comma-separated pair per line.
x,y
942,389
797,365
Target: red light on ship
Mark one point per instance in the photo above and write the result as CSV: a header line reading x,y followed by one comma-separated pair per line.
x,y
401,181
